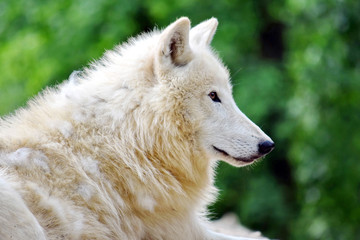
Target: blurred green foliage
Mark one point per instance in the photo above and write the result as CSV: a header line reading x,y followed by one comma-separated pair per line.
x,y
296,72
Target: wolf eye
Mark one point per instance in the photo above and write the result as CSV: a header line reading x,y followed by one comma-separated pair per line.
x,y
214,97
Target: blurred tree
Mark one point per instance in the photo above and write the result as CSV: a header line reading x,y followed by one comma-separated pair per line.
x,y
323,62
295,68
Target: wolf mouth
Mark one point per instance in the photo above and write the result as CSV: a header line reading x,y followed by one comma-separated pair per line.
x,y
247,160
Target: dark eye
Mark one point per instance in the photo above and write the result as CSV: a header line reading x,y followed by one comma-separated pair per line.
x,y
214,97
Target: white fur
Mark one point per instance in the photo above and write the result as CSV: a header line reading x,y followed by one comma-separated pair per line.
x,y
86,191
126,149
28,158
13,208
146,202
90,166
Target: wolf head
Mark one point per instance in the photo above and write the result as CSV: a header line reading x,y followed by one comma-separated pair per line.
x,y
185,61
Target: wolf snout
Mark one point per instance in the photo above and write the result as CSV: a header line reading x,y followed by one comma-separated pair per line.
x,y
265,147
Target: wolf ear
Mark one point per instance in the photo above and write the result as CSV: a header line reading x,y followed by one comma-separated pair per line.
x,y
174,44
203,33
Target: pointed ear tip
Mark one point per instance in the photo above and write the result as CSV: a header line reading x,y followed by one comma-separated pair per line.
x,y
183,21
214,21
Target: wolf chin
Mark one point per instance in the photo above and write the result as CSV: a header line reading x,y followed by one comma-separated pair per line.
x,y
126,149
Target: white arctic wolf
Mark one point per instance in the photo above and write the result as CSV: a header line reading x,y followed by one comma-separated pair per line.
x,y
126,149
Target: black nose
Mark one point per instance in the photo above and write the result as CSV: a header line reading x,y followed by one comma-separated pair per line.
x,y
266,147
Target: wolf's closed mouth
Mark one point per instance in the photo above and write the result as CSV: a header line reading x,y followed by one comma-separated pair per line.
x,y
248,160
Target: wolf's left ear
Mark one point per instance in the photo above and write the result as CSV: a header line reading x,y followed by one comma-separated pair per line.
x,y
203,33
174,47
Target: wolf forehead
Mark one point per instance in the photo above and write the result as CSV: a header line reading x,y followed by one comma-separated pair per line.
x,y
205,69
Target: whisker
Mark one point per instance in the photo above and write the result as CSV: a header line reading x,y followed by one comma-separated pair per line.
x,y
237,71
236,84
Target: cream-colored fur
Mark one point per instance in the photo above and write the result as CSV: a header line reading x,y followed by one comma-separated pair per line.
x,y
125,149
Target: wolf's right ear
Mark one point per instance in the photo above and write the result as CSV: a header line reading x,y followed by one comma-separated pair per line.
x,y
173,47
203,33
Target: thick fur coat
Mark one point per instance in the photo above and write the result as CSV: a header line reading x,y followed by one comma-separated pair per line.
x,y
126,149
